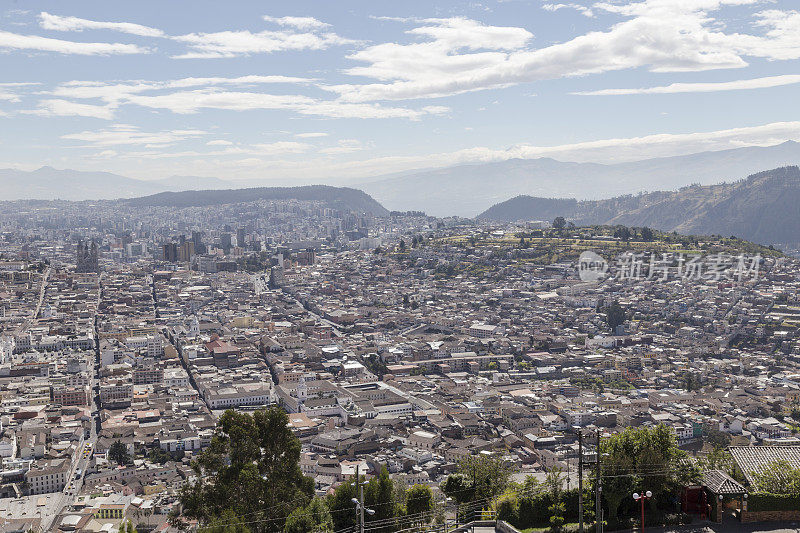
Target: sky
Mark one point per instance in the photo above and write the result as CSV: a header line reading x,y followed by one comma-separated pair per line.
x,y
340,91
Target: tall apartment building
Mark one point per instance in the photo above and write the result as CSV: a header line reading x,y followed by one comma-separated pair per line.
x,y
70,396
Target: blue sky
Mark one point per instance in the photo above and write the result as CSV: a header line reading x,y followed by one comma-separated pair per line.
x,y
334,91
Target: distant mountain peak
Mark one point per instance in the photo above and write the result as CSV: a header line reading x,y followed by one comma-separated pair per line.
x,y
467,190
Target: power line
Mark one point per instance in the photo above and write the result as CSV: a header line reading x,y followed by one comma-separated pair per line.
x,y
467,507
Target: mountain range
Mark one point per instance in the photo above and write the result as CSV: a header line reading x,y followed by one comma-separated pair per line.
x,y
464,190
763,208
48,183
467,190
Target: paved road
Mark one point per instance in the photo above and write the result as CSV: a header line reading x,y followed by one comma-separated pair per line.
x,y
732,526
42,288
334,326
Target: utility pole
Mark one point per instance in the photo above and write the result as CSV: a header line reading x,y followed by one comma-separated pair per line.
x,y
598,509
580,481
361,505
358,512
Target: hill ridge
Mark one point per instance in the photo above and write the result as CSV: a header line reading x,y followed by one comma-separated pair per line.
x,y
343,198
763,208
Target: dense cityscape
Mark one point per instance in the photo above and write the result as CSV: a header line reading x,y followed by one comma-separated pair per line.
x,y
402,344
430,266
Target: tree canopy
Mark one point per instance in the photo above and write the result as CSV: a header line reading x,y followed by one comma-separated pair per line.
x,y
780,477
419,499
313,517
251,468
478,477
118,453
615,315
642,456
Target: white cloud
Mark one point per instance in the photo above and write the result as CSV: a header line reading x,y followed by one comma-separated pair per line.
x,y
117,91
205,93
239,43
258,151
660,35
298,33
59,23
662,145
241,80
344,146
188,102
583,10
301,23
65,108
310,135
280,147
219,142
737,85
16,41
8,96
123,134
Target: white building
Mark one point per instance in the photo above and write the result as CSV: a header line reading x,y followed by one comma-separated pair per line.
x,y
49,476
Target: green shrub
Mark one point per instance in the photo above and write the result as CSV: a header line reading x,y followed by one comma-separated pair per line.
x,y
507,507
763,501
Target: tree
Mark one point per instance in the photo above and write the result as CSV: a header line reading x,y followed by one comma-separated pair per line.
x,y
643,453
557,508
780,477
623,233
718,459
647,234
341,505
615,315
559,223
126,527
118,453
457,486
227,523
718,439
250,468
419,499
157,455
313,517
479,477
402,245
379,496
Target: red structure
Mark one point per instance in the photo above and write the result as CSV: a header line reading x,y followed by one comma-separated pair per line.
x,y
694,500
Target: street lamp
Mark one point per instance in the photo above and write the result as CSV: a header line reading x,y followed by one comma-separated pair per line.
x,y
641,498
360,507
